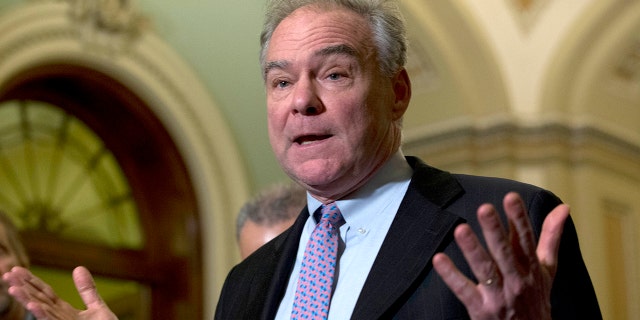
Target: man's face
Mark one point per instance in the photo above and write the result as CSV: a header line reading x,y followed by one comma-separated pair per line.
x,y
330,111
8,260
253,236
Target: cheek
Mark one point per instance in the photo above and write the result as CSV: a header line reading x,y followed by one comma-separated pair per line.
x,y
6,263
277,112
380,110
359,124
275,124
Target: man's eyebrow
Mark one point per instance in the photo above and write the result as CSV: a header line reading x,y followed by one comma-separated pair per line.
x,y
327,51
337,49
279,64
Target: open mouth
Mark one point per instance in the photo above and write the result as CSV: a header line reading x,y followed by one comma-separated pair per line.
x,y
302,140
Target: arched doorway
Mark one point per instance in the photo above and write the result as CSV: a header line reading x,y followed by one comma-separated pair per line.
x,y
166,259
43,33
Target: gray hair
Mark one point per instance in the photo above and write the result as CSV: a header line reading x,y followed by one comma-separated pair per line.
x,y
278,203
385,20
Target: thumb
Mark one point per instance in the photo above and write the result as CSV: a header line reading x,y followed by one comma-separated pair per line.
x,y
87,288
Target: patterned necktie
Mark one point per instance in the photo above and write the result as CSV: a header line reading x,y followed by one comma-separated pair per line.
x,y
313,294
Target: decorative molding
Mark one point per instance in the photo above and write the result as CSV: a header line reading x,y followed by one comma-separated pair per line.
x,y
626,73
464,144
526,12
111,25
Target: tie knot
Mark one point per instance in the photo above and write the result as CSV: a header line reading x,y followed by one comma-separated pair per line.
x,y
330,212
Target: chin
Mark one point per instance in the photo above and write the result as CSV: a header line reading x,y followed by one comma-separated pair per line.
x,y
311,180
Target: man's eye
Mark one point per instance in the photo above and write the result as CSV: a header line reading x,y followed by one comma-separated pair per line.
x,y
282,84
335,76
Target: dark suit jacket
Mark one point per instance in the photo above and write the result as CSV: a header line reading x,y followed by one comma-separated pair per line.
x,y
402,283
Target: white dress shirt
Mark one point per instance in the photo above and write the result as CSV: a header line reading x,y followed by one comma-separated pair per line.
x,y
368,214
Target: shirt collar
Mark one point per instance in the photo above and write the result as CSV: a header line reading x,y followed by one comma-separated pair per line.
x,y
395,170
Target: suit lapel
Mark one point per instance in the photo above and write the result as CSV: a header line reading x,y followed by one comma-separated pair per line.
x,y
416,234
285,250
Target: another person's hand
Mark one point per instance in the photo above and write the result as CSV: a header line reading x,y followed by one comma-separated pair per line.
x,y
515,276
38,297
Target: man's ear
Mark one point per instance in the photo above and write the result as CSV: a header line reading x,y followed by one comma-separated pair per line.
x,y
402,93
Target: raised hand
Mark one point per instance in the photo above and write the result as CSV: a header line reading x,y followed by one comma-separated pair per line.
x,y
515,276
40,299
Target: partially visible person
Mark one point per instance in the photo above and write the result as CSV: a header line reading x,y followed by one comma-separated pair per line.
x,y
12,253
270,212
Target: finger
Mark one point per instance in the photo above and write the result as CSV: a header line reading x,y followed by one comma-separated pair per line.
x,y
549,244
19,294
524,239
39,290
26,287
461,286
37,311
57,312
86,287
15,276
497,241
37,296
481,263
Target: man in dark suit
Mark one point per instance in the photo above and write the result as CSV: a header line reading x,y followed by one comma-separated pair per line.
x,y
407,247
405,232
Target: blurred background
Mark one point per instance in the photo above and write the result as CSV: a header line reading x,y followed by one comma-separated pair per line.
x,y
132,131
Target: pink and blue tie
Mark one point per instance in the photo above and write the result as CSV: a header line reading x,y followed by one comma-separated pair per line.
x,y
313,294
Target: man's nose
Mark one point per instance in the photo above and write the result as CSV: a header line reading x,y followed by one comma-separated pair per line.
x,y
305,98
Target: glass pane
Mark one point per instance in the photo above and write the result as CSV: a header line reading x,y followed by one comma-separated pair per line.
x,y
57,176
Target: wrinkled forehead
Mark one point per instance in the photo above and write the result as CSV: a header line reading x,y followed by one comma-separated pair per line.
x,y
321,31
